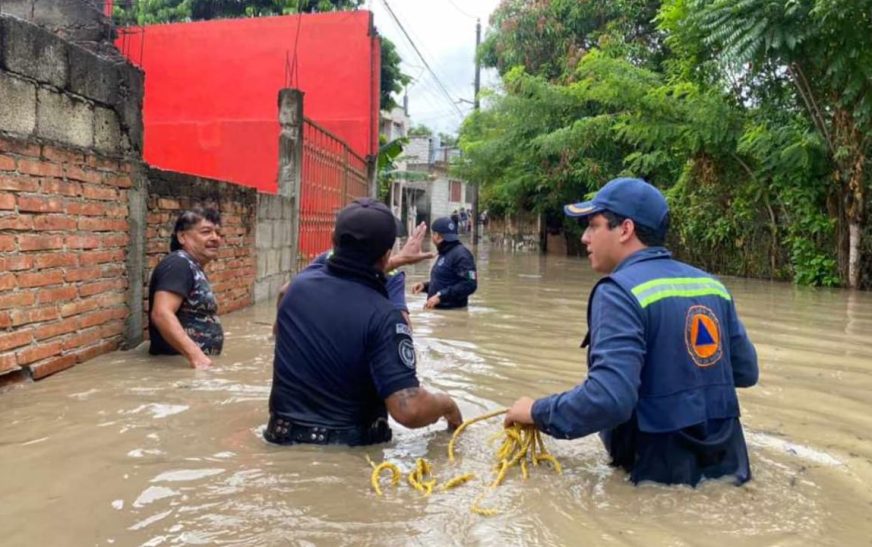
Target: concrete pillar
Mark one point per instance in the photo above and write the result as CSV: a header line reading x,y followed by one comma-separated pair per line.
x,y
372,175
291,158
138,211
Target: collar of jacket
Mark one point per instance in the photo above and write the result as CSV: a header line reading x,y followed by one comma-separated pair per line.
x,y
648,253
346,268
446,246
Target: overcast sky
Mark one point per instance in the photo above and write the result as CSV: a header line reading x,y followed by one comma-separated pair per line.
x,y
444,31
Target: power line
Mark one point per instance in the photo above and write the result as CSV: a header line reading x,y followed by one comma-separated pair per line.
x,y
461,11
438,65
404,48
420,56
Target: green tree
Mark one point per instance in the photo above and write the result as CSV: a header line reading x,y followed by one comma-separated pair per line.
x,y
146,12
420,131
548,38
393,80
822,49
594,90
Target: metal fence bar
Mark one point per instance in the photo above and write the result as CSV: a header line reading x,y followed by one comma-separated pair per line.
x,y
333,175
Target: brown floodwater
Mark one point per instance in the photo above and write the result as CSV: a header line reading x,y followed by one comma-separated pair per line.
x,y
134,450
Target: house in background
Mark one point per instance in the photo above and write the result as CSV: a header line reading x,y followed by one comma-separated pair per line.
x,y
436,196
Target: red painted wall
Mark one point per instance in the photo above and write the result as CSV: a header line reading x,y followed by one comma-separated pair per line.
x,y
211,89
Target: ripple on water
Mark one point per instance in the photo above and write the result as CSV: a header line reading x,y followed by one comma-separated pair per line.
x,y
157,410
181,475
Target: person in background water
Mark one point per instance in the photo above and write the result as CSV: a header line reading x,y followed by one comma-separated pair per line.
x,y
411,253
453,278
183,316
666,351
344,355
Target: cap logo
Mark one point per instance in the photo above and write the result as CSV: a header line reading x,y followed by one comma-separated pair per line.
x,y
450,225
579,210
702,334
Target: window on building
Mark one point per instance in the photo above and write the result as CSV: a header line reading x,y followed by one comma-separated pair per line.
x,y
456,189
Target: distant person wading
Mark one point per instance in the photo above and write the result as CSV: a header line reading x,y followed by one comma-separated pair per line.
x,y
453,278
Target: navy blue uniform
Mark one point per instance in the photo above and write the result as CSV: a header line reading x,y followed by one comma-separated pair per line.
x,y
666,352
341,349
396,281
453,277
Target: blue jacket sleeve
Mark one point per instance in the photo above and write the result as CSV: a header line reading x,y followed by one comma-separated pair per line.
x,y
608,396
396,287
743,356
464,267
391,356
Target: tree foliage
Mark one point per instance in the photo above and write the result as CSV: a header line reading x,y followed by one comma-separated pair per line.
x,y
752,115
393,80
147,12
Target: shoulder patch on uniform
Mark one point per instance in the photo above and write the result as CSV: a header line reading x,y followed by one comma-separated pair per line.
x,y
702,335
403,328
406,349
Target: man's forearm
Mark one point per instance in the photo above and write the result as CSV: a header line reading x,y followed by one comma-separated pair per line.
x,y
416,407
174,334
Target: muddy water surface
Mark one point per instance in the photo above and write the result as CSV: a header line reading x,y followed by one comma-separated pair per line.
x,y
134,450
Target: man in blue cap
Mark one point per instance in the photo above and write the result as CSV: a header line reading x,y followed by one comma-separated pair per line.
x,y
453,278
666,351
344,355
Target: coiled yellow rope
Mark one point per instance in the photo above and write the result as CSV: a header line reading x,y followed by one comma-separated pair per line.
x,y
521,444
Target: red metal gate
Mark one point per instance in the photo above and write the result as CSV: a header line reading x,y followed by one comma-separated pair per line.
x,y
332,176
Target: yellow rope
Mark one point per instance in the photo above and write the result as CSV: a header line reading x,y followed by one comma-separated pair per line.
x,y
466,424
483,511
521,446
457,481
376,474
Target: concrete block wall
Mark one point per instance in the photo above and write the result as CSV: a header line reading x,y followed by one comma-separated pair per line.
x,y
78,21
273,240
515,230
64,233
233,275
54,90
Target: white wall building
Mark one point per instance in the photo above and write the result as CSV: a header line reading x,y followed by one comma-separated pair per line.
x,y
427,192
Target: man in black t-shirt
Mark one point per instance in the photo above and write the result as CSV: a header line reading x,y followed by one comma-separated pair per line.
x,y
183,310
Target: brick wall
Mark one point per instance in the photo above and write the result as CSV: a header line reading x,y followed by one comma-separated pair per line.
x,y
63,240
70,141
233,275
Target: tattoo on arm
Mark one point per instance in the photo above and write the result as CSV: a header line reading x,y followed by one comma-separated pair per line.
x,y
404,396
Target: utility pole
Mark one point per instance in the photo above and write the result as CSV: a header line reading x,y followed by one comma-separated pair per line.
x,y
475,106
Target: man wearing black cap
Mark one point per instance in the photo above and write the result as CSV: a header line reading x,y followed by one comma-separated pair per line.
x,y
344,355
453,277
666,351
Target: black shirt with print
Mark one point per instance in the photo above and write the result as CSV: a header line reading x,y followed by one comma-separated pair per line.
x,y
180,274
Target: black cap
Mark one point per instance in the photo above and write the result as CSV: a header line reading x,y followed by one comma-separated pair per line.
x,y
446,227
365,230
